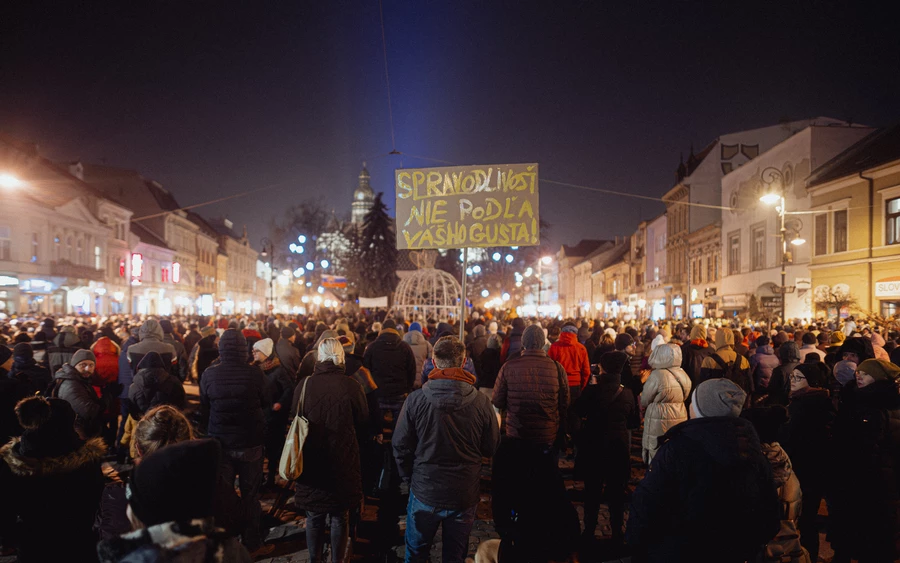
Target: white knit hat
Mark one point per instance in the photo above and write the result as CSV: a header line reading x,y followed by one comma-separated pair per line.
x,y
266,345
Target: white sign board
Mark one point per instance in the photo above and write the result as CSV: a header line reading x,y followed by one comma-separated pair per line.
x,y
887,287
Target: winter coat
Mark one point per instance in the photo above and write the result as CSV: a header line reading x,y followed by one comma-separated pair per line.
x,y
153,386
174,542
392,363
33,377
334,405
78,392
180,367
279,385
710,368
665,391
708,496
107,366
289,356
126,374
512,344
811,349
52,501
534,390
443,432
761,365
807,437
865,500
232,396
64,347
489,363
573,358
786,482
12,389
692,356
151,340
420,346
475,349
205,354
603,446
190,340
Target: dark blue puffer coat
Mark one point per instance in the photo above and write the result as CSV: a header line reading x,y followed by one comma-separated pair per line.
x,y
232,396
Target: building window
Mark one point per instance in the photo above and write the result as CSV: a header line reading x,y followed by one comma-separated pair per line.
x,y
656,273
840,231
892,221
96,257
5,242
821,234
638,280
734,254
709,269
79,252
716,268
69,248
34,247
758,249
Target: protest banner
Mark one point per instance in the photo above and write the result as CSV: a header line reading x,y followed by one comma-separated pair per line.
x,y
467,206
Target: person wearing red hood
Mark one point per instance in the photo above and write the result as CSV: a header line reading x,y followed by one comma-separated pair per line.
x,y
106,372
572,356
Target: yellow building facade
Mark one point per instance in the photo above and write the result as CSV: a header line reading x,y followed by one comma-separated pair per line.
x,y
855,208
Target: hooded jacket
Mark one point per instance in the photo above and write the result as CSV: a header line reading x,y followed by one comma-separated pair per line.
x,y
107,368
65,344
512,344
232,396
78,392
709,495
762,363
573,357
335,407
420,346
710,368
603,445
153,386
392,363
289,356
665,391
694,352
32,376
126,374
443,432
534,390
151,340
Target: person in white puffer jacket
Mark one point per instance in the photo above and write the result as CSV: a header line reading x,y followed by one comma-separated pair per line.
x,y
665,391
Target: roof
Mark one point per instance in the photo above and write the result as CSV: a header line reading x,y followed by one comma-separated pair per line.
x,y
147,236
613,255
204,225
583,248
881,147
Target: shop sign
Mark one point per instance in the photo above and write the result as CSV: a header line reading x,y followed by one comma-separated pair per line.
x,y
888,287
803,283
8,281
738,301
771,301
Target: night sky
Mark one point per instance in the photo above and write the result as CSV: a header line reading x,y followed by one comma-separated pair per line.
x,y
213,98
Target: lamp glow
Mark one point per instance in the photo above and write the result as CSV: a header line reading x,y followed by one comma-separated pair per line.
x,y
770,198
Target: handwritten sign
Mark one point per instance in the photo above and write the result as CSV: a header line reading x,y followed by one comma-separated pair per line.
x,y
467,206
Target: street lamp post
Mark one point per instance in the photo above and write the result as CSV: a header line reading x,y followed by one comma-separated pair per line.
x,y
771,176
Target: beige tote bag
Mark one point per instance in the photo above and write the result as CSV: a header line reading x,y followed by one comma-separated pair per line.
x,y
291,465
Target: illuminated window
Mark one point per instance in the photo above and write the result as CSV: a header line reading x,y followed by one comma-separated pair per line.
x,y
892,221
34,247
5,242
97,257
734,254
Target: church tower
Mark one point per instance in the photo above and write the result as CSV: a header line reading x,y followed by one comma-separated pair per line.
x,y
363,198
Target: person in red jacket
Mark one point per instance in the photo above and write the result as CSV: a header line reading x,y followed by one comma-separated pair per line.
x,y
573,357
106,373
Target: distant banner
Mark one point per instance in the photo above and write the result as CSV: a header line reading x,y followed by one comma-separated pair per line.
x,y
334,281
467,206
371,302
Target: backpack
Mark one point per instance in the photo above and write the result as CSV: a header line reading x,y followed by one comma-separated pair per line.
x,y
734,373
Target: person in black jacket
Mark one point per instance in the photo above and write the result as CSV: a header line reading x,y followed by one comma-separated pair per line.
x,y
279,389
444,431
603,445
490,365
35,377
331,483
807,440
153,385
72,383
232,404
51,482
709,495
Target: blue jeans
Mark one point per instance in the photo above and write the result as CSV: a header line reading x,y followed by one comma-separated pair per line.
x,y
422,522
315,535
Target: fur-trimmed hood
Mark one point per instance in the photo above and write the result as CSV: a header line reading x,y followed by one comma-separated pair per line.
x,y
196,541
91,451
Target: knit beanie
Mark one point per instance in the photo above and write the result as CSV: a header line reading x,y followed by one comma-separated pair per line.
x,y
48,427
5,354
844,372
533,338
763,340
415,326
166,326
613,362
265,346
570,328
288,332
176,483
81,356
22,350
388,323
880,370
837,337
719,397
623,341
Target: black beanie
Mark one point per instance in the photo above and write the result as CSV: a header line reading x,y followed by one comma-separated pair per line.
x,y
166,326
623,341
48,427
613,362
176,483
287,332
23,350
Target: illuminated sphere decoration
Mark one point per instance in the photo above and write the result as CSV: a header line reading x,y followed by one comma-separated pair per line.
x,y
427,292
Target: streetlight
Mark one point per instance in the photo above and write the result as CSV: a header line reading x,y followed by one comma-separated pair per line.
x,y
268,251
770,177
10,181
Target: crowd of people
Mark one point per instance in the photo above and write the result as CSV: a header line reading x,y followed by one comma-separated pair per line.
x,y
746,429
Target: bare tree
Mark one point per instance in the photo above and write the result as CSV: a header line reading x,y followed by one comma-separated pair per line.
x,y
828,299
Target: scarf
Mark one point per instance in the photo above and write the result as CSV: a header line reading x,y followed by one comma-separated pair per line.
x,y
700,342
456,374
270,363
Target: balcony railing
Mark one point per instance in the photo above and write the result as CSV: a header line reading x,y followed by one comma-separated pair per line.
x,y
66,269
